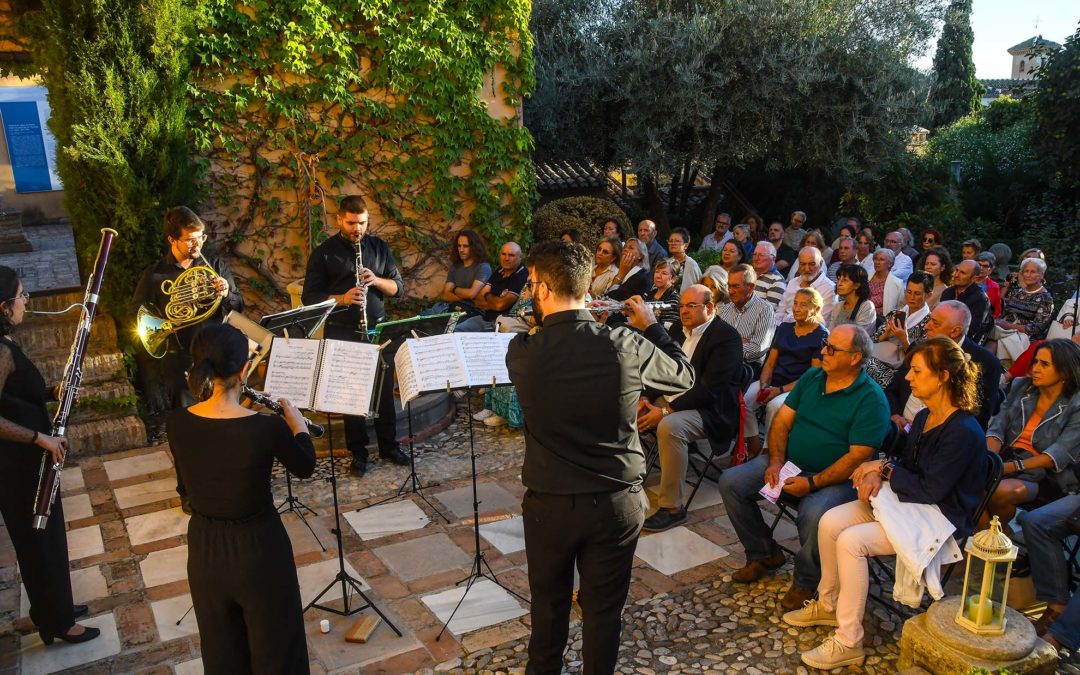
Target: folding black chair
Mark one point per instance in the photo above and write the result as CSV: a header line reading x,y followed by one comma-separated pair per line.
x,y
716,449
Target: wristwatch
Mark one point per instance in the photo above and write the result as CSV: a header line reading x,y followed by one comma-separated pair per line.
x,y
665,411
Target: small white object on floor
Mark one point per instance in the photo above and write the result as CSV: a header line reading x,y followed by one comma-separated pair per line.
x,y
495,421
483,415
324,626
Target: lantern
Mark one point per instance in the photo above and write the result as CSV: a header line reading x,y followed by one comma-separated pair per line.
x,y
990,555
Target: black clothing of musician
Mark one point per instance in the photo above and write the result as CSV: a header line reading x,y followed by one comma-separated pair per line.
x,y
240,561
163,380
578,383
331,270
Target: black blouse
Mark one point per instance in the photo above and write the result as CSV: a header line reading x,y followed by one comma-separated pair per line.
x,y
23,401
223,465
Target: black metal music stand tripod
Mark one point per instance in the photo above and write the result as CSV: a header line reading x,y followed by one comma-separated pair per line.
x,y
412,484
292,504
480,562
347,581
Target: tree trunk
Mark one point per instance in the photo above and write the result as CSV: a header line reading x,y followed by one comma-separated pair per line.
x,y
712,199
688,189
654,204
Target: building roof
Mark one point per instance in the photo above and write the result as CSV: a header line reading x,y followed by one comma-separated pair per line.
x,y
1037,42
568,174
1004,83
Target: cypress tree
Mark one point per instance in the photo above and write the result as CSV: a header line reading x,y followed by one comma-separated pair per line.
x,y
955,91
1057,106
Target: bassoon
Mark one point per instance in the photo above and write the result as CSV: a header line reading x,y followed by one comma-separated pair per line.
x,y
49,476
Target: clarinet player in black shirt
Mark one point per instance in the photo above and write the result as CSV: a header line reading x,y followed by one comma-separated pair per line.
x,y
579,383
24,435
240,560
331,274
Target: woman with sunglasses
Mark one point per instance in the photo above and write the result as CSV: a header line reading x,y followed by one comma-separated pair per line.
x,y
24,436
931,238
606,260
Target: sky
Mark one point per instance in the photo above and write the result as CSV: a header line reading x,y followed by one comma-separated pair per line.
x,y
1000,24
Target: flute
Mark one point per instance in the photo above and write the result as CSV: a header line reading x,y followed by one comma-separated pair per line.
x,y
655,305
316,430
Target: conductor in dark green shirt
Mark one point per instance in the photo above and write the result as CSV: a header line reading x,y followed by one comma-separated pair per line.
x,y
579,382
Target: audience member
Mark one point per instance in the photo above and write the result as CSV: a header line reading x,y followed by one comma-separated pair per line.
x,y
812,238
1028,311
571,234
500,292
901,328
1012,278
811,275
752,317
864,251
902,263
794,233
742,236
757,226
708,410
664,290
716,239
770,283
832,421
987,262
909,245
468,273
646,230
632,277
715,278
932,238
941,469
796,348
849,229
936,262
731,255
785,255
966,291
1045,532
1037,432
885,287
950,319
970,248
606,264
853,304
612,228
843,253
684,269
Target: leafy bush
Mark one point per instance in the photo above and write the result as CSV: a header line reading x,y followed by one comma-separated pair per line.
x,y
586,214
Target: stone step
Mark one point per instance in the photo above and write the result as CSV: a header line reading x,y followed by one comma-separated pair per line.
x,y
104,400
49,334
102,366
102,436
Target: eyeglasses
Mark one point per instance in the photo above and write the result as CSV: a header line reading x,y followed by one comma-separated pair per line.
x,y
25,295
531,284
831,349
193,239
675,242
692,305
929,240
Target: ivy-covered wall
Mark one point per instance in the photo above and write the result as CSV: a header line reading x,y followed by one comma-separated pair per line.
x,y
414,103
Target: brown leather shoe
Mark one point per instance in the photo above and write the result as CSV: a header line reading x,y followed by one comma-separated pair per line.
x,y
796,597
1049,616
755,569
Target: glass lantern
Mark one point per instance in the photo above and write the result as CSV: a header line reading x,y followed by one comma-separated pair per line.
x,y
990,556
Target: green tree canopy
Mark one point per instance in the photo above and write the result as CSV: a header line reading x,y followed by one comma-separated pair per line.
x,y
1058,115
955,91
670,87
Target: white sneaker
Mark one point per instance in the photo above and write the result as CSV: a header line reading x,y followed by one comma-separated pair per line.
x,y
810,614
483,415
831,654
495,421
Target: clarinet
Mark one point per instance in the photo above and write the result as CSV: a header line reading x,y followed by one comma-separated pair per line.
x,y
363,289
49,475
316,430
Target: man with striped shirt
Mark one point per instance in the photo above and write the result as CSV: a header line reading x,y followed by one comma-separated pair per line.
x,y
751,317
770,283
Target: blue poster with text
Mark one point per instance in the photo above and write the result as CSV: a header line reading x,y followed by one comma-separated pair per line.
x,y
26,147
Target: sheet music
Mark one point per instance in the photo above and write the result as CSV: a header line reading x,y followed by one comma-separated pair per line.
x,y
347,378
427,364
291,371
485,357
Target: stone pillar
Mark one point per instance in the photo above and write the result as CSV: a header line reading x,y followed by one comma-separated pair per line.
x,y
935,642
12,237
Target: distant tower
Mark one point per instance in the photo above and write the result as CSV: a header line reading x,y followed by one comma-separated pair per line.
x,y
1029,55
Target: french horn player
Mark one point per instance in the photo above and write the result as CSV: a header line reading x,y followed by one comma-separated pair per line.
x,y
175,297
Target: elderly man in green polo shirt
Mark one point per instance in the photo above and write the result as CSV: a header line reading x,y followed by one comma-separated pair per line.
x,y
834,419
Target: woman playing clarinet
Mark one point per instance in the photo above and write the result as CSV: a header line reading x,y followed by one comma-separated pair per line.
x,y
240,561
24,435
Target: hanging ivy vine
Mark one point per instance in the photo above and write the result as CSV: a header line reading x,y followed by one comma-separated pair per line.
x,y
296,101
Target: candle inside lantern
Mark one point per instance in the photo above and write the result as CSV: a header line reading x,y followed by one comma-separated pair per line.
x,y
982,613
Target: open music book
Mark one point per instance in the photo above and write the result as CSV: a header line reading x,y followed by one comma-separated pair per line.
x,y
324,375
460,359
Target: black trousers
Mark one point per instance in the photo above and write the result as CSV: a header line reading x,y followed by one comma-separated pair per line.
x,y
42,555
598,532
246,596
356,433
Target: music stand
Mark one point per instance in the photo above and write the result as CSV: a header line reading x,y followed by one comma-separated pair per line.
x,y
306,320
394,333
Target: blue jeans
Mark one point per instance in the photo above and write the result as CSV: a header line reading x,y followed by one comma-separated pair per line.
x,y
739,489
475,324
1044,532
1067,626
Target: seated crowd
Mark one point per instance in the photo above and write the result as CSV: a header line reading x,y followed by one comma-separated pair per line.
x,y
816,359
